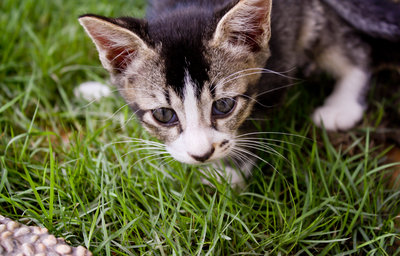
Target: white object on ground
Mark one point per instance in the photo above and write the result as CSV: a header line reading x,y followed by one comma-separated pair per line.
x,y
92,91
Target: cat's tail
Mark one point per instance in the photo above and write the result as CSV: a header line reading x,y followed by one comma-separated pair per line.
x,y
376,18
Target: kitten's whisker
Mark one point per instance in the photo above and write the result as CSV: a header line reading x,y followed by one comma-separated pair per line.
x,y
281,73
260,145
155,150
144,158
129,119
153,144
88,104
273,133
151,155
257,157
263,144
243,159
118,142
222,82
263,70
161,157
276,89
236,73
232,94
239,74
114,114
261,140
80,67
150,142
263,149
164,162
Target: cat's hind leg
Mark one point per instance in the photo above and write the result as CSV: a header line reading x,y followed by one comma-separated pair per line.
x,y
345,106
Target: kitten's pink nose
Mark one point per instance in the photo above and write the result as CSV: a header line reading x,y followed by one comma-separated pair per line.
x,y
204,157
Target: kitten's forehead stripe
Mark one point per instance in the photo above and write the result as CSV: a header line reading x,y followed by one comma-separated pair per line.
x,y
182,38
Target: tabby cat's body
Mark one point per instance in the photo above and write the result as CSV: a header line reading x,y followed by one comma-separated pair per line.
x,y
195,70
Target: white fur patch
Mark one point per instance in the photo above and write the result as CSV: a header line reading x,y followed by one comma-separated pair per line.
x,y
92,91
340,116
196,139
342,109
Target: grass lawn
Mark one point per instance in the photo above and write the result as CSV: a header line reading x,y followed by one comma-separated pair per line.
x,y
73,168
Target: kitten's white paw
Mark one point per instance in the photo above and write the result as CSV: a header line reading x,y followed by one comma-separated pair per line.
x,y
338,117
230,174
235,177
91,91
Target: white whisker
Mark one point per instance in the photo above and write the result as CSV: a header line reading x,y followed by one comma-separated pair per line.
x,y
242,150
155,150
265,149
262,140
276,89
273,133
242,158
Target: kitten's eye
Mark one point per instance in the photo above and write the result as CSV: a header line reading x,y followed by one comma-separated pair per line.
x,y
165,116
222,107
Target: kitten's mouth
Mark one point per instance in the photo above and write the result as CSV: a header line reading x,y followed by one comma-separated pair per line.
x,y
217,152
204,157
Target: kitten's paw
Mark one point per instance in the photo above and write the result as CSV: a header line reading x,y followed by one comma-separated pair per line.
x,y
338,117
236,178
230,174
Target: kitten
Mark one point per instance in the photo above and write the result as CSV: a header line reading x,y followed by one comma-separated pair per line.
x,y
194,70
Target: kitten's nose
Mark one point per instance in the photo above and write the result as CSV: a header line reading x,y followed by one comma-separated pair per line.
x,y
204,157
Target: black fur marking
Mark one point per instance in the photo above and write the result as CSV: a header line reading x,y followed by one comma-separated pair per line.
x,y
224,143
204,157
180,130
214,124
167,97
181,38
181,30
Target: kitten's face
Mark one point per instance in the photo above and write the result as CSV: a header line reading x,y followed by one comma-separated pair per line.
x,y
195,95
199,122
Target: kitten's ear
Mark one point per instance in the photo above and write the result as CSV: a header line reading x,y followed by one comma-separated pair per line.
x,y
117,45
247,24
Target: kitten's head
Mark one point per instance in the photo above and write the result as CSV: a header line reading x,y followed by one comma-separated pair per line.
x,y
190,75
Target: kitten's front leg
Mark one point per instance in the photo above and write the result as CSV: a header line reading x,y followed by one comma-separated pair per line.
x,y
344,107
235,174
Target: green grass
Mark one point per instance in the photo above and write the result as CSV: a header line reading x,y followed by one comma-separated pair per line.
x,y
62,168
